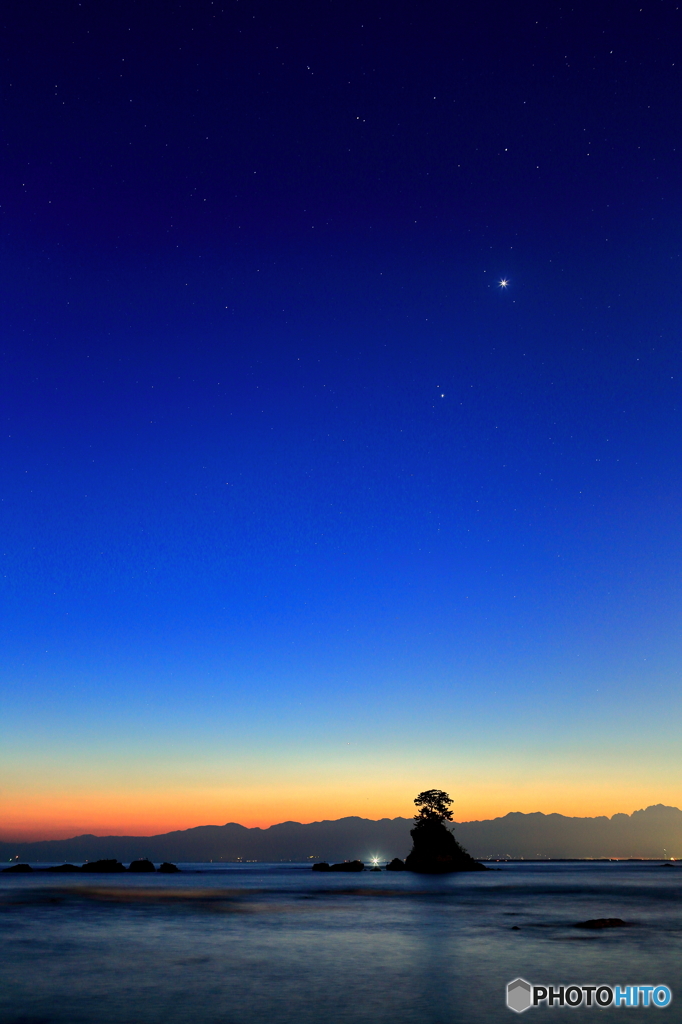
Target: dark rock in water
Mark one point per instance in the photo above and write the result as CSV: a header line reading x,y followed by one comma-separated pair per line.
x,y
141,865
396,865
348,865
515,928
19,869
168,869
603,922
103,866
435,851
65,868
375,869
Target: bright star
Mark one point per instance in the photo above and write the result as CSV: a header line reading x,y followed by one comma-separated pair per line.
x,y
504,283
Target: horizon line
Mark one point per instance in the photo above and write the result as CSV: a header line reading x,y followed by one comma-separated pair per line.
x,y
321,821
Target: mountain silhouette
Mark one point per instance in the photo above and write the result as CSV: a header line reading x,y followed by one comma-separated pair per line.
x,y
655,832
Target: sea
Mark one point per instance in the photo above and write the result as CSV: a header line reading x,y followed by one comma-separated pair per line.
x,y
281,944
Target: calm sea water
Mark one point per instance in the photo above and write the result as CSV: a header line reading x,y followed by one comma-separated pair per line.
x,y
279,944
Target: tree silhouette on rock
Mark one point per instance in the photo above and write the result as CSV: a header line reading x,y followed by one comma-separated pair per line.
x,y
435,851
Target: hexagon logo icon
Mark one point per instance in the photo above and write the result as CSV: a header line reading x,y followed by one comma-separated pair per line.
x,y
518,995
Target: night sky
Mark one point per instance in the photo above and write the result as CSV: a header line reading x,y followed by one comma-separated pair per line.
x,y
300,511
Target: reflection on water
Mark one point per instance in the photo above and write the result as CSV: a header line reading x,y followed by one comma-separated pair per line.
x,y
280,944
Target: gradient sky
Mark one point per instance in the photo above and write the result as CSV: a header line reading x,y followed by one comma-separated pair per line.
x,y
300,512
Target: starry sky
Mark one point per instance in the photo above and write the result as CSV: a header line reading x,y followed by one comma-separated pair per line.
x,y
300,511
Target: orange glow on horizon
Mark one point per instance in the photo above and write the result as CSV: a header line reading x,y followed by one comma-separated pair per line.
x,y
32,817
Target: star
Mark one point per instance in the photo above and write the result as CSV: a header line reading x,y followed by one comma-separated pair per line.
x,y
504,283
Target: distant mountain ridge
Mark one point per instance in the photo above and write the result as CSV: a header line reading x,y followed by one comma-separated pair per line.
x,y
655,832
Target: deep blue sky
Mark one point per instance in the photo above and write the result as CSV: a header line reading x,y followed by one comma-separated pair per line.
x,y
296,502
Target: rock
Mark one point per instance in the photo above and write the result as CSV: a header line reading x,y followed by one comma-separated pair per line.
x,y
168,869
348,865
396,865
603,922
65,868
141,865
103,866
19,869
515,928
435,851
375,869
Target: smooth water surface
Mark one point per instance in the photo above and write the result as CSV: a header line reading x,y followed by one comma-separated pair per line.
x,y
278,944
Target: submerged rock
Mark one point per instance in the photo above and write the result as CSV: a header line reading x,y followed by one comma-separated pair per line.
x,y
347,865
141,865
396,865
65,868
103,866
168,869
603,922
19,869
